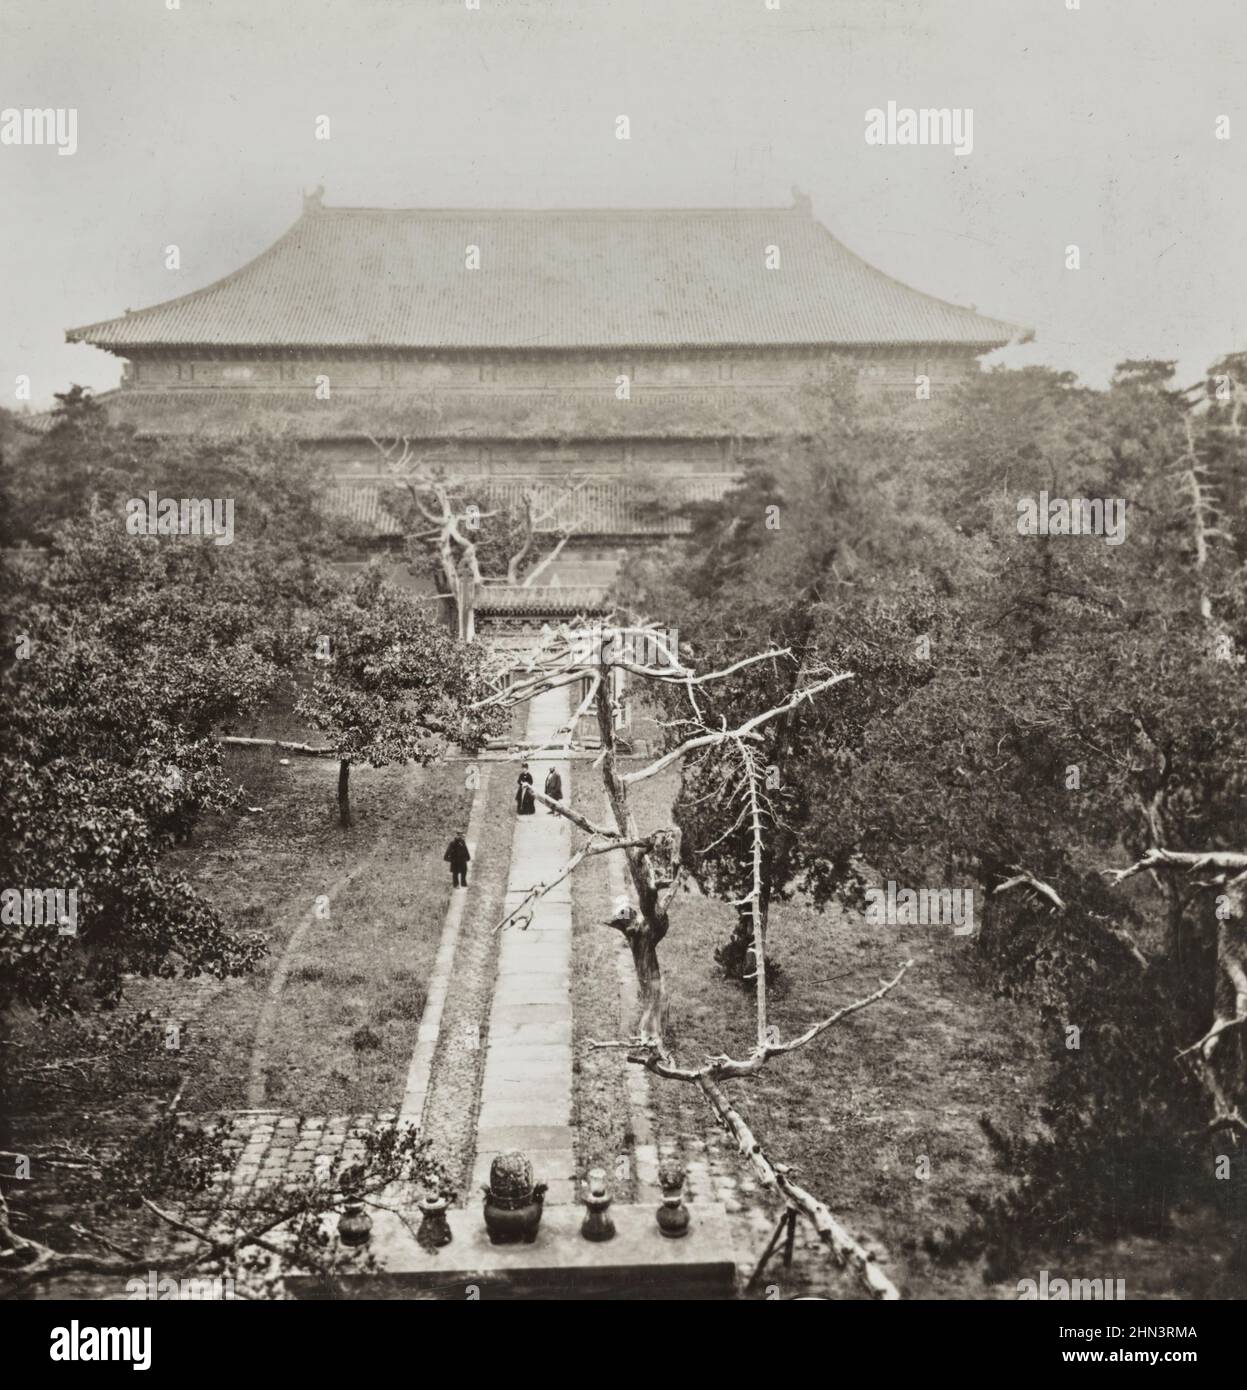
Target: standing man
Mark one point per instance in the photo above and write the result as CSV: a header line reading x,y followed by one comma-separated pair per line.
x,y
554,787
457,857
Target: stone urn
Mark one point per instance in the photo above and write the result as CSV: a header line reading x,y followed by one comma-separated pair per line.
x,y
433,1231
673,1214
513,1202
354,1225
597,1224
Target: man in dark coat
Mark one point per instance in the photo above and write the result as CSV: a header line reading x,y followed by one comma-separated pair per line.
x,y
457,857
554,787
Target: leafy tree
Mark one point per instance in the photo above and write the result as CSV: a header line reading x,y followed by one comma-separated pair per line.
x,y
1080,700
1038,702
83,462
124,656
124,659
798,556
391,684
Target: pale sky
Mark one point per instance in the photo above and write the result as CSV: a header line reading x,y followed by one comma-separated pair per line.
x,y
196,126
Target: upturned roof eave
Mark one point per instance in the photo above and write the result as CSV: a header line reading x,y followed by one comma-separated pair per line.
x,y
80,335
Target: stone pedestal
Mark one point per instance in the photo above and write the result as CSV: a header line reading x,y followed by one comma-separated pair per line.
x,y
639,1263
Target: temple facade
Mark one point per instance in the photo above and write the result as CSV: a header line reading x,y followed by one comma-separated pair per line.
x,y
649,352
647,348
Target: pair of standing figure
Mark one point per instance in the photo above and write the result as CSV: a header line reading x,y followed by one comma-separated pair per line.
x,y
525,802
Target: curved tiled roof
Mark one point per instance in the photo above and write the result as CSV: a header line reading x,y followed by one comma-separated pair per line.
x,y
546,599
375,278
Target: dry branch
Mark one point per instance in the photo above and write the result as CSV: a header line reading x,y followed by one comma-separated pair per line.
x,y
1227,870
845,1248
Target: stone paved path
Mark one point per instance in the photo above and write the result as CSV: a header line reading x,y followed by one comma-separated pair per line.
x,y
526,1093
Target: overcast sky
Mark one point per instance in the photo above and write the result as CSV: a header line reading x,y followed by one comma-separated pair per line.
x,y
196,126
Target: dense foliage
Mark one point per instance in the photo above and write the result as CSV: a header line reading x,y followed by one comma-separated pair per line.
x,y
1039,704
126,656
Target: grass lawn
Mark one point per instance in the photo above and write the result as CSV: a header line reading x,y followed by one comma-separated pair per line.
x,y
452,1103
339,1034
602,1117
855,1111
341,1029
342,1033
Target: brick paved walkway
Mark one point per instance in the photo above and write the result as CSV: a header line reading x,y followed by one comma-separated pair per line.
x,y
274,1147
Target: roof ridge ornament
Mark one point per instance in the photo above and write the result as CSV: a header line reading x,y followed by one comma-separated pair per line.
x,y
314,201
801,202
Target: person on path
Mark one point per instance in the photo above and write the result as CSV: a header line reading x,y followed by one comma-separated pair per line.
x,y
525,804
554,787
457,857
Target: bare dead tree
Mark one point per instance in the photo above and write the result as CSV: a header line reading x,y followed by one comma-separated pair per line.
x,y
531,519
1221,1070
452,530
595,653
449,521
1201,501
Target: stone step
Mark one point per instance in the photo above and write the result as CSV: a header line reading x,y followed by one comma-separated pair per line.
x,y
533,1060
548,955
639,1263
515,1090
528,1012
532,988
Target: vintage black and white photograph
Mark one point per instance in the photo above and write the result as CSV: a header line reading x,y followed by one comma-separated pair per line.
x,y
624,663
